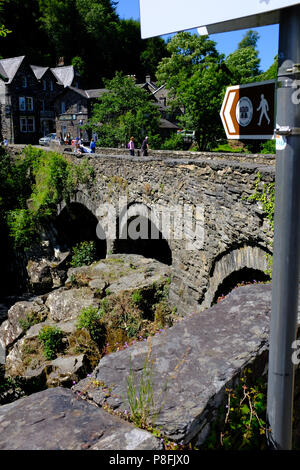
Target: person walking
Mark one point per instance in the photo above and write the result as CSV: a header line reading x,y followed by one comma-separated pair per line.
x,y
131,146
93,146
145,147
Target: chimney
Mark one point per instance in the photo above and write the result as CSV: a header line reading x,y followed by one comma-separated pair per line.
x,y
148,79
61,62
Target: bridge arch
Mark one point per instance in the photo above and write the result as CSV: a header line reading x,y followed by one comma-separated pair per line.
x,y
76,222
244,263
138,232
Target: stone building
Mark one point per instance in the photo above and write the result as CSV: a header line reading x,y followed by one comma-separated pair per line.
x,y
36,101
27,97
160,96
73,107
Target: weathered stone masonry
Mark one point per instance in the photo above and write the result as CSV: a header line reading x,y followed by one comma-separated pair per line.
x,y
236,232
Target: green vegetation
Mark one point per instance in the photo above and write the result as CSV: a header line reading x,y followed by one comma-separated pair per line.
x,y
196,77
29,320
141,397
241,425
91,319
268,147
88,33
174,142
51,337
137,298
84,253
124,111
229,148
265,194
31,187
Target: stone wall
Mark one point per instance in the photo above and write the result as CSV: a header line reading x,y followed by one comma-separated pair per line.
x,y
236,232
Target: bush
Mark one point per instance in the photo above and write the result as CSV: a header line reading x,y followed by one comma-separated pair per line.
x,y
268,147
51,337
22,227
84,253
90,319
44,178
229,148
137,298
244,425
175,142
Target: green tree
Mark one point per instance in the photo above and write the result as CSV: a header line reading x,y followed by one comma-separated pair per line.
x,y
87,33
137,56
244,63
3,30
249,40
124,110
271,73
21,17
195,75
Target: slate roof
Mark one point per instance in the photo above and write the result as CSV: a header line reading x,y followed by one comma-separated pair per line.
x,y
88,94
165,124
39,71
64,74
96,93
10,66
3,73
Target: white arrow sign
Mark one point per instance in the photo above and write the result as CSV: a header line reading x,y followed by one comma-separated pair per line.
x,y
160,17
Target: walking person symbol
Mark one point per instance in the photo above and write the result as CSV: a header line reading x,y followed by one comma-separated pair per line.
x,y
263,108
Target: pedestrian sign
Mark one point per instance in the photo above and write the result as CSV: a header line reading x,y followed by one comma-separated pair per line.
x,y
248,111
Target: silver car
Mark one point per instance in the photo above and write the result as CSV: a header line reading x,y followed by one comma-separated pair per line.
x,y
46,140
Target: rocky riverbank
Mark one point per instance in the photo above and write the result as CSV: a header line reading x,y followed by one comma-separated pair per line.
x,y
119,300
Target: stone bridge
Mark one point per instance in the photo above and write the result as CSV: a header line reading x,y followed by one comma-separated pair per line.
x,y
186,209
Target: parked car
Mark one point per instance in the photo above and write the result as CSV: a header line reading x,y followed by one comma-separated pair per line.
x,y
46,140
187,134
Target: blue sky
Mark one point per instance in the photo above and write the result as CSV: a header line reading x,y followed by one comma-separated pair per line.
x,y
226,42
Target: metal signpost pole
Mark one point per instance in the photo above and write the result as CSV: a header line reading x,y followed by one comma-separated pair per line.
x,y
285,284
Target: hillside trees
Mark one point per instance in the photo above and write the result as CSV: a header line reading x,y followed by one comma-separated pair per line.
x,y
88,32
196,75
125,110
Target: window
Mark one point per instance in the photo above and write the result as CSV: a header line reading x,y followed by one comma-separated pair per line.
x,y
30,124
51,86
23,124
44,84
25,103
24,82
29,103
22,103
63,107
79,108
27,124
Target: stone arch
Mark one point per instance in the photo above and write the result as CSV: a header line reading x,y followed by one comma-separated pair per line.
x,y
241,259
77,222
138,232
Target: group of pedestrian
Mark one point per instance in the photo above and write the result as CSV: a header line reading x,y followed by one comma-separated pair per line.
x,y
80,148
144,147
